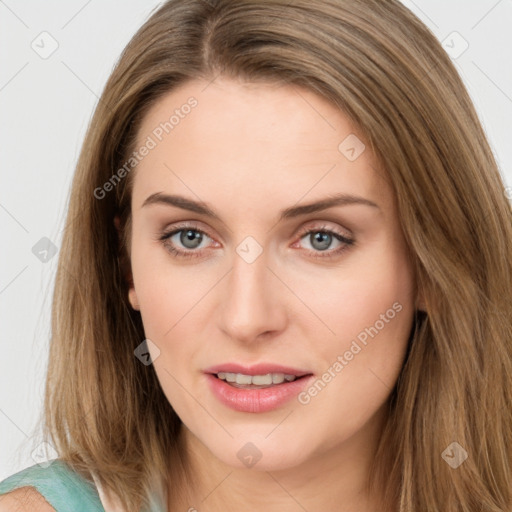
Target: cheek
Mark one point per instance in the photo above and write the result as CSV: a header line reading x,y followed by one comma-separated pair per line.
x,y
368,296
169,298
384,307
378,295
358,366
166,291
371,313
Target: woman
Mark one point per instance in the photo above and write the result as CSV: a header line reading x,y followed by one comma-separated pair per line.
x,y
285,276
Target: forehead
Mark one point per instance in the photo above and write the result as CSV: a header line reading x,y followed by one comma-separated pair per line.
x,y
242,142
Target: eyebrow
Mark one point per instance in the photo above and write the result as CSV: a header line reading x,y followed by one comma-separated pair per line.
x,y
288,213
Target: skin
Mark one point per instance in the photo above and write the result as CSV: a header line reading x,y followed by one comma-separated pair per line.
x,y
249,151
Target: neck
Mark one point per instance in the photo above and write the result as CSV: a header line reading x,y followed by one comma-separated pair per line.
x,y
335,478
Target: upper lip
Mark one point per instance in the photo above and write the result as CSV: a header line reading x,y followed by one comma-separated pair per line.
x,y
256,369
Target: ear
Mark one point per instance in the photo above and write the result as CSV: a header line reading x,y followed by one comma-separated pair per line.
x,y
132,297
420,302
125,265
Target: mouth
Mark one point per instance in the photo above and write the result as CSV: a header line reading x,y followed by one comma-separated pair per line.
x,y
257,388
267,380
259,376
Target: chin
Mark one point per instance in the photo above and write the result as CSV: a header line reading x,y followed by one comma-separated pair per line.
x,y
260,454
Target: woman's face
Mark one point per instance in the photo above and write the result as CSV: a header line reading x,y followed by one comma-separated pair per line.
x,y
266,247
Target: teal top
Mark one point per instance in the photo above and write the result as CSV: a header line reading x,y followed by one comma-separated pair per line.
x,y
64,489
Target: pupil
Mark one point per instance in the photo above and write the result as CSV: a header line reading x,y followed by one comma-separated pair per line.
x,y
324,240
190,238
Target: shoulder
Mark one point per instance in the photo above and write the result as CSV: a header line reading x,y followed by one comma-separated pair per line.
x,y
24,499
49,487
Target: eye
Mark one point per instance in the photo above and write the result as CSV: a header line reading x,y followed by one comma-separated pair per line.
x,y
188,237
321,238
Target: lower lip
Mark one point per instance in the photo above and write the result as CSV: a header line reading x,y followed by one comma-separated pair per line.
x,y
256,400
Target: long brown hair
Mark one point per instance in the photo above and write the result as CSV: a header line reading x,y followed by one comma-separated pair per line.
x,y
105,412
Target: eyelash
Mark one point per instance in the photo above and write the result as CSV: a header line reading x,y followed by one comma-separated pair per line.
x,y
195,254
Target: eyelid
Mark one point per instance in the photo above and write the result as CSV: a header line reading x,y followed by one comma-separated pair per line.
x,y
324,226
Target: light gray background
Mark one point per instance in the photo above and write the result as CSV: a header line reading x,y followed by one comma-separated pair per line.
x,y
45,106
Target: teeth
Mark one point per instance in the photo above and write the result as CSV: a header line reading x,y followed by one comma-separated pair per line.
x,y
243,379
258,380
277,378
264,380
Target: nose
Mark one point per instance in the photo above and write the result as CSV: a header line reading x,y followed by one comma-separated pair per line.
x,y
253,303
